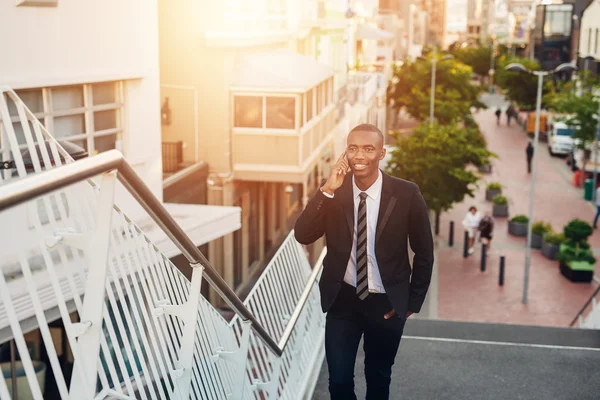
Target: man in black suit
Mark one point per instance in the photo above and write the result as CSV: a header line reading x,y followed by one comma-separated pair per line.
x,y
366,287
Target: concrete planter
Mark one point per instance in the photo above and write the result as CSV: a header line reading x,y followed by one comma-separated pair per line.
x,y
550,250
486,169
490,194
536,241
500,211
577,271
517,228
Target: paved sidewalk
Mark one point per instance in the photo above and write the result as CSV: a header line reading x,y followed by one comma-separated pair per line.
x,y
467,294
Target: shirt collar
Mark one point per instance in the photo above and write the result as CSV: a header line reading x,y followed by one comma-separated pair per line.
x,y
374,191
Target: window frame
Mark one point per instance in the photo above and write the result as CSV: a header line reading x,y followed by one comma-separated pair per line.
x,y
297,120
48,114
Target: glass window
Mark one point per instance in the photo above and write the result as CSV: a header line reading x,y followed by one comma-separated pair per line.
x,y
66,112
309,105
596,42
248,111
69,125
32,99
302,98
319,99
67,97
105,120
564,132
281,112
104,143
558,20
104,93
589,40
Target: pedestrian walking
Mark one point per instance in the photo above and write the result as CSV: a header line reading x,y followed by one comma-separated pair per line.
x,y
471,225
365,287
486,228
597,208
498,115
529,153
510,112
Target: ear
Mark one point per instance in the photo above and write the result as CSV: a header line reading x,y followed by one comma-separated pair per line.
x,y
383,153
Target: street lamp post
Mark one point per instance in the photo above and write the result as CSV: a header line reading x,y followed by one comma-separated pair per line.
x,y
434,62
538,108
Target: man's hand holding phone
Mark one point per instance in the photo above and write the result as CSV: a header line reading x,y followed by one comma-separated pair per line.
x,y
336,176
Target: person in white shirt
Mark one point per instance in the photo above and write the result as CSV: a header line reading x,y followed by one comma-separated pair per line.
x,y
471,224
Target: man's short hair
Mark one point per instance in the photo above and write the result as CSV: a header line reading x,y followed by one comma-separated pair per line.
x,y
472,208
369,128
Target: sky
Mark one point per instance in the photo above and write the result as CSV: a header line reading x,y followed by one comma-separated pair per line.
x,y
456,16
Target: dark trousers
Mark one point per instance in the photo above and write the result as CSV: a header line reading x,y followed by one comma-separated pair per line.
x,y
347,321
597,216
529,165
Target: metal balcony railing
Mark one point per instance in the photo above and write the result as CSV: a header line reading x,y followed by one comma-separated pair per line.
x,y
589,315
136,327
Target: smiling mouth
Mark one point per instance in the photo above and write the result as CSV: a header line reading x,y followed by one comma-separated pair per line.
x,y
359,166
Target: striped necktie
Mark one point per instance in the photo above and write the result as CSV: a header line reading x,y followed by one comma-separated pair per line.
x,y
362,281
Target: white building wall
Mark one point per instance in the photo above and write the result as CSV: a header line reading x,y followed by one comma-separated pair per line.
x,y
589,39
87,41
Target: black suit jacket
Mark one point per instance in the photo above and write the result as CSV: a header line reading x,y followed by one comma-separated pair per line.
x,y
402,216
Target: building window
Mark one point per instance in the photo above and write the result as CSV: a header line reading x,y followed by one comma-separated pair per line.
x,y
309,105
248,111
86,115
281,112
589,41
596,42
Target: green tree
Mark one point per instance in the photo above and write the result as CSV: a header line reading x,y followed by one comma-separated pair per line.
x,y
436,157
454,92
478,58
579,101
520,87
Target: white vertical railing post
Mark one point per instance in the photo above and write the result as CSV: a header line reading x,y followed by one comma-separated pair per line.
x,y
90,318
239,358
188,313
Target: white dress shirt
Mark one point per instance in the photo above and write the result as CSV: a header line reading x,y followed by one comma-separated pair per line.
x,y
373,199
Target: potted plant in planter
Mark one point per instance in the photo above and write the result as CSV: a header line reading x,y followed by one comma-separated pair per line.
x,y
485,168
551,244
500,208
492,190
538,230
575,257
517,225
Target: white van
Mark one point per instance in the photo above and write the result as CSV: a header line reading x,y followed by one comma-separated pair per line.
x,y
560,139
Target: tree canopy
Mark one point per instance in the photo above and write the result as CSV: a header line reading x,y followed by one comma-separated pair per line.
x,y
520,87
436,157
478,58
579,102
454,92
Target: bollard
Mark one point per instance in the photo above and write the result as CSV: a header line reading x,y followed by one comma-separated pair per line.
x,y
451,236
466,245
501,276
483,256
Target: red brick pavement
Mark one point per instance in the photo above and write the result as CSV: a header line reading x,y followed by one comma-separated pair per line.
x,y
467,294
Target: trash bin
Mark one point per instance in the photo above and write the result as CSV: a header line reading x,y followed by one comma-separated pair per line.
x,y
588,191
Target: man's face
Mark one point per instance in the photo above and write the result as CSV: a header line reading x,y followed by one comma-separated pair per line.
x,y
364,151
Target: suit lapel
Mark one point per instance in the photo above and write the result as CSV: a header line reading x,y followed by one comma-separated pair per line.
x,y
347,201
386,205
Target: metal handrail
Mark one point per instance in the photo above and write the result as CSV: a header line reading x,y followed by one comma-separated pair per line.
x,y
587,303
35,185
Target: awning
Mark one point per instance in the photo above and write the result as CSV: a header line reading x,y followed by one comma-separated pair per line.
x,y
202,223
372,32
279,69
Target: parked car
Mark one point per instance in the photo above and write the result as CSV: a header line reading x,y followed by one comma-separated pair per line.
x,y
560,139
